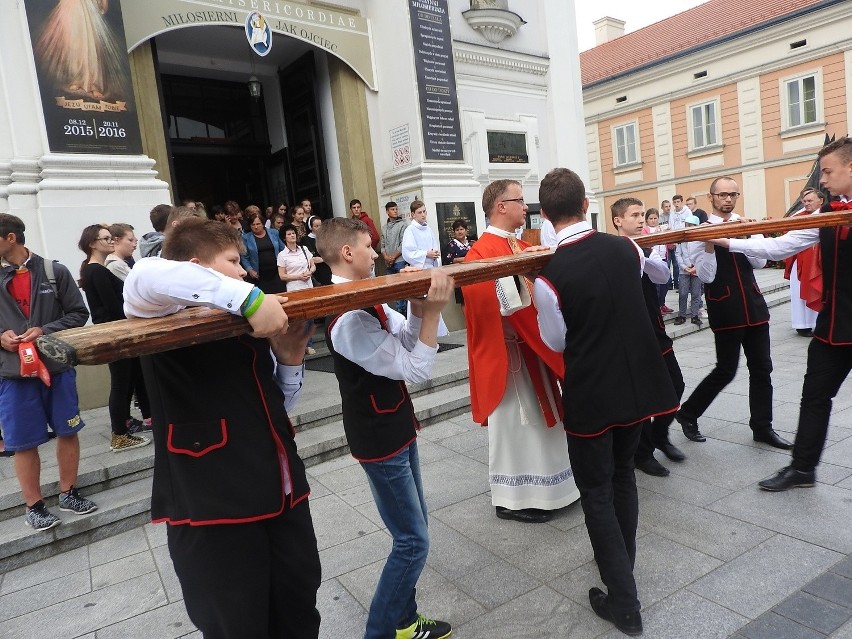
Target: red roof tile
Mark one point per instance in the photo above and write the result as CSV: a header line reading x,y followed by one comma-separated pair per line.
x,y
706,22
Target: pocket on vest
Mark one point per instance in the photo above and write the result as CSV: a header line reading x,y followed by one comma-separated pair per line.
x,y
722,294
390,401
196,439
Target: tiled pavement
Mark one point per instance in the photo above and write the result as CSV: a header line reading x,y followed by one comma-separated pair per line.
x,y
716,556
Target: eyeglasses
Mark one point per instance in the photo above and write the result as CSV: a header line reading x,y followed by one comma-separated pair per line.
x,y
519,200
107,239
724,195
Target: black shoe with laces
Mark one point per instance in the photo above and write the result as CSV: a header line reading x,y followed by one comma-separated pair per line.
x,y
788,478
630,623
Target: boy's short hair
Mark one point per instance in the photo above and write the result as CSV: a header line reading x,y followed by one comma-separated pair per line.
x,y
561,195
416,204
335,233
842,146
620,206
677,197
390,205
492,192
160,216
120,229
202,239
353,202
182,213
12,224
664,202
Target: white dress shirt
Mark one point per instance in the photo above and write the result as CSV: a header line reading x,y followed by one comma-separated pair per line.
x,y
396,353
756,262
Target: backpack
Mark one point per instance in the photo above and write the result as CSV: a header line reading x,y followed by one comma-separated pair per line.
x,y
51,276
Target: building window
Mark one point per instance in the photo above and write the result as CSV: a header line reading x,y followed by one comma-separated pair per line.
x,y
703,125
801,101
626,145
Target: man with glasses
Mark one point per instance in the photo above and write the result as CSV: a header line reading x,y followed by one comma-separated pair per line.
x,y
739,319
513,376
32,305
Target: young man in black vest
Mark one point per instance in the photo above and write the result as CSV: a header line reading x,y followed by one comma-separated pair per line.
x,y
376,351
739,319
591,307
227,478
628,217
830,352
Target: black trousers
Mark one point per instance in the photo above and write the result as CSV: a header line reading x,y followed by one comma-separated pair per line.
x,y
603,472
256,580
754,343
125,377
656,433
828,367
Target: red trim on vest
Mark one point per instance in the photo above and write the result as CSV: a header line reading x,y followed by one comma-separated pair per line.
x,y
382,411
200,453
393,454
611,426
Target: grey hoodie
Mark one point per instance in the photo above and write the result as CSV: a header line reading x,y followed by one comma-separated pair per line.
x,y
151,244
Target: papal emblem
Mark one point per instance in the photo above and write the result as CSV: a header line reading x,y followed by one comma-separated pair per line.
x,y
258,33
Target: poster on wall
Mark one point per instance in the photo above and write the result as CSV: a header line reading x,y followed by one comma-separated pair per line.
x,y
84,76
449,212
436,79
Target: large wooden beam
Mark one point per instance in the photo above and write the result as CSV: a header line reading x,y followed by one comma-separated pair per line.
x,y
102,343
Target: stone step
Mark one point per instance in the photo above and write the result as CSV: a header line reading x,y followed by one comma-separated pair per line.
x,y
120,509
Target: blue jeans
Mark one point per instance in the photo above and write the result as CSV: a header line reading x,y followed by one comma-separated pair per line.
x,y
398,492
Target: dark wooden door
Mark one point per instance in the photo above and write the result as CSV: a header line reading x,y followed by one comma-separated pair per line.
x,y
305,148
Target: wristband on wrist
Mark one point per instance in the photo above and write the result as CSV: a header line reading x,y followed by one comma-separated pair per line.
x,y
252,302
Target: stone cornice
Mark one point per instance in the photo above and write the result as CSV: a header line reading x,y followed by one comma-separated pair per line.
x,y
467,53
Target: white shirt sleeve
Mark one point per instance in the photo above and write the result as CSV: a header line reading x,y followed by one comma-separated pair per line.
x,y
704,262
547,234
360,338
656,268
290,380
551,324
776,248
157,287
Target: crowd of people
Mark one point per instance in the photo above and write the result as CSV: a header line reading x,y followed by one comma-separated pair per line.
x,y
228,480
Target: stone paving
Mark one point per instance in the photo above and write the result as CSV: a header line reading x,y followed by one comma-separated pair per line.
x,y
716,556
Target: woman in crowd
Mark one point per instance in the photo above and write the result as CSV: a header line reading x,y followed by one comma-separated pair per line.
x,y
652,225
104,293
120,261
260,259
296,267
456,249
322,275
298,222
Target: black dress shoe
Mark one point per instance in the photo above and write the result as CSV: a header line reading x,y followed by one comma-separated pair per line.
x,y
788,478
630,623
679,320
772,438
525,515
690,428
672,452
804,332
651,466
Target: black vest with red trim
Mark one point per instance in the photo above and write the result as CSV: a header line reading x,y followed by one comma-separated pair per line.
x,y
652,303
378,416
615,375
834,322
734,299
221,435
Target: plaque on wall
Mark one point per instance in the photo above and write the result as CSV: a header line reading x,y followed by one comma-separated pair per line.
x,y
436,79
507,148
449,212
84,76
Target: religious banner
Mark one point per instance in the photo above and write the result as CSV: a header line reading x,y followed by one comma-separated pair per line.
x,y
84,76
436,79
338,32
449,212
